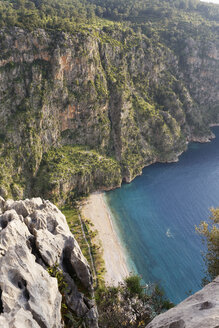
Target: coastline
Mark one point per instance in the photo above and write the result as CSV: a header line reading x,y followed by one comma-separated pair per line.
x,y
95,209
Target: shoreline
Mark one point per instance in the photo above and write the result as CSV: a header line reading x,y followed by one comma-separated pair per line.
x,y
96,211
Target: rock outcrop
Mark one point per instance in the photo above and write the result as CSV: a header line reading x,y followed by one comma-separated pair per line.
x,y
34,236
116,91
200,310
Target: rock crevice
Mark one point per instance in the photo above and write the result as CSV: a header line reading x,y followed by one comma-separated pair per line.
x,y
34,236
1,304
136,103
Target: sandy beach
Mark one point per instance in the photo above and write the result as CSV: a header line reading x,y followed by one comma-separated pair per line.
x,y
96,210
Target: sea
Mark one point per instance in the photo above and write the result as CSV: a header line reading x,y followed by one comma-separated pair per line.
x,y
156,214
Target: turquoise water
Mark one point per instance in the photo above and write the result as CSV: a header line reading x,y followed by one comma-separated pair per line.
x,y
156,216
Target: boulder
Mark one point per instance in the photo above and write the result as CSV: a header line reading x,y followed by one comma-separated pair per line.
x,y
200,310
34,236
24,284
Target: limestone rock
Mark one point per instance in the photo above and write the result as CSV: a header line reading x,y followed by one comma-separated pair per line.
x,y
2,202
200,310
34,235
82,90
17,319
52,236
23,282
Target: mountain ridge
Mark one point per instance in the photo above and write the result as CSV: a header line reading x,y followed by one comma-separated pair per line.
x,y
116,94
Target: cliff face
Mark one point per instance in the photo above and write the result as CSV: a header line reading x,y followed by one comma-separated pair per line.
x,y
197,311
36,247
44,278
134,100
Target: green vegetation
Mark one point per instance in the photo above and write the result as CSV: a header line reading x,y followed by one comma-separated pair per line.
x,y
66,14
133,285
68,316
130,304
169,22
62,170
113,83
96,252
72,216
45,14
210,234
127,70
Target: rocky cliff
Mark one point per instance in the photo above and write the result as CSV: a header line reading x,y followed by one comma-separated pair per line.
x,y
45,281
42,269
119,99
200,310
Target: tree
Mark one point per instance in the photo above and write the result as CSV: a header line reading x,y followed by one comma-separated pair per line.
x,y
210,233
130,304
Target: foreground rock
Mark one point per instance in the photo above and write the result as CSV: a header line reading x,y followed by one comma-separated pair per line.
x,y
200,310
34,235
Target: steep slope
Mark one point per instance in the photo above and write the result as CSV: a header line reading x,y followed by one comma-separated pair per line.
x,y
123,96
126,98
34,241
44,278
197,311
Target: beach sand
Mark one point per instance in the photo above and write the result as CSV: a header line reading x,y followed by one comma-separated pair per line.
x,y
96,210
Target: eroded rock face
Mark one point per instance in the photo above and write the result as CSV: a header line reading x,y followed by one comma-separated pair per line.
x,y
34,235
200,310
138,102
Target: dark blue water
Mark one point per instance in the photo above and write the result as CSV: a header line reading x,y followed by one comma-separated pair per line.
x,y
156,216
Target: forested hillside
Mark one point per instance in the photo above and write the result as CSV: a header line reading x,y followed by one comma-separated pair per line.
x,y
65,14
93,91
